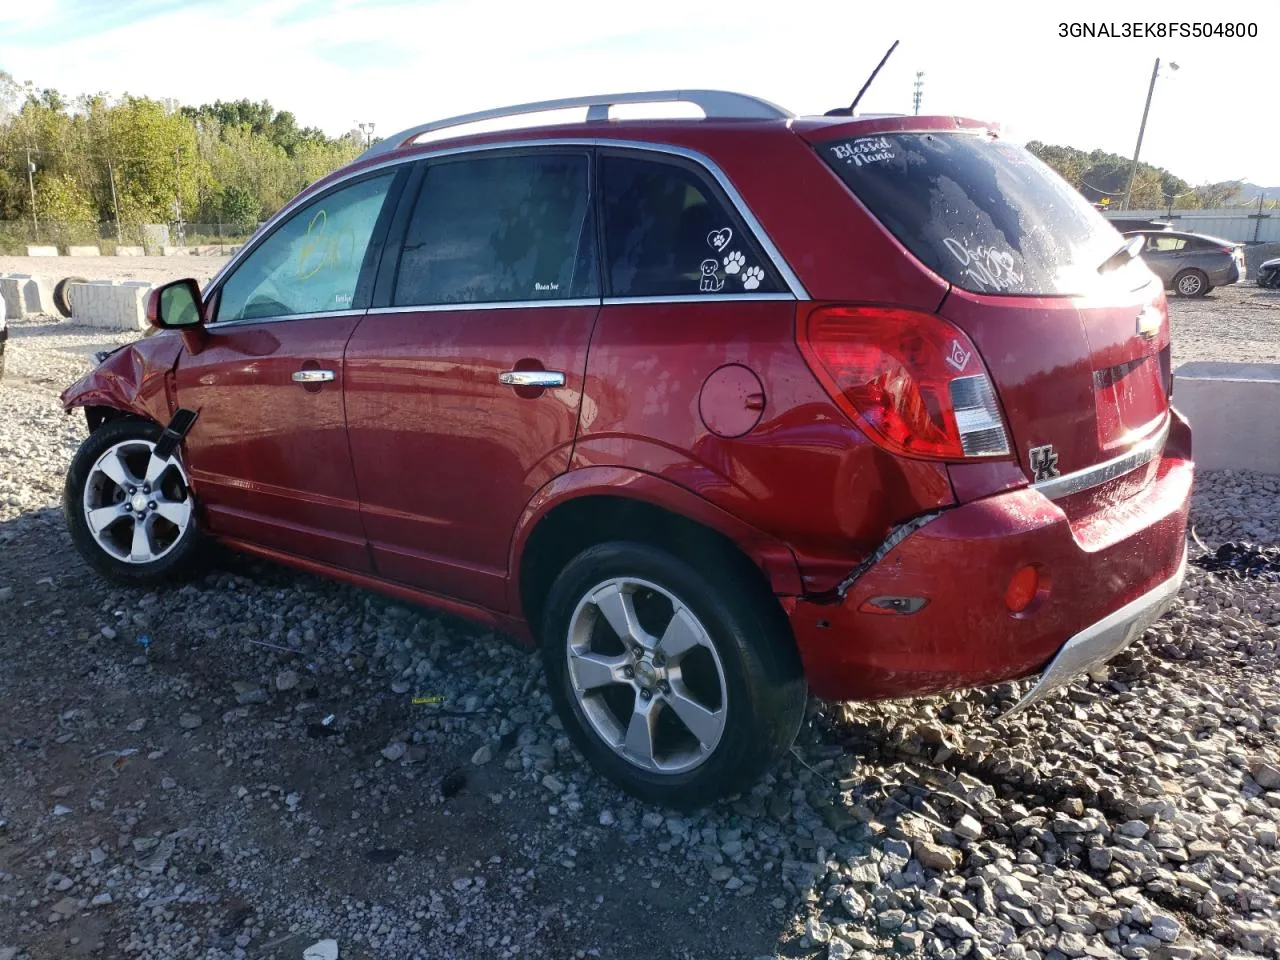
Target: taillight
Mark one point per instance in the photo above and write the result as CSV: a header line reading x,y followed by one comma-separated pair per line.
x,y
914,382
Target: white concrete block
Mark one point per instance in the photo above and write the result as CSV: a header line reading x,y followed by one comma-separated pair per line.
x,y
1231,407
130,251
39,251
83,252
25,295
110,305
167,251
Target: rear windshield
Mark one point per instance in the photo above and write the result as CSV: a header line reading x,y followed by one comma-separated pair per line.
x,y
984,214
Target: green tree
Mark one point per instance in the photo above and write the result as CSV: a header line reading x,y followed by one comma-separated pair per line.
x,y
61,200
239,208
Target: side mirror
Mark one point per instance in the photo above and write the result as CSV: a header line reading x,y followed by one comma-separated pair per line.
x,y
177,306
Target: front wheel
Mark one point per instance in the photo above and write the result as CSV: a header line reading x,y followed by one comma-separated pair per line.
x,y
131,514
681,686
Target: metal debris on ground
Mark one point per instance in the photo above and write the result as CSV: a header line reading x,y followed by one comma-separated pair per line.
x,y
1241,559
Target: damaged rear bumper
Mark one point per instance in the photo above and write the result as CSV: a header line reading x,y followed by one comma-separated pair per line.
x,y
1103,640
1105,574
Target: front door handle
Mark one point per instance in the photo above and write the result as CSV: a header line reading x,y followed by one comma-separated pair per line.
x,y
531,378
313,376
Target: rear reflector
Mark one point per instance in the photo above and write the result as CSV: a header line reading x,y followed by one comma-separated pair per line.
x,y
1022,589
911,380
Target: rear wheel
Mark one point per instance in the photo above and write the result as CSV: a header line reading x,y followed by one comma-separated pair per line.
x,y
130,512
680,686
1191,283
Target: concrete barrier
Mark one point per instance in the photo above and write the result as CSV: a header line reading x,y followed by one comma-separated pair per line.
x,y
1231,407
130,251
38,251
112,306
175,251
25,295
83,252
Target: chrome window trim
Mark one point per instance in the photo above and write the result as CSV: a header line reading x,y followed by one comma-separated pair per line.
x,y
771,251
488,305
219,324
1140,455
699,298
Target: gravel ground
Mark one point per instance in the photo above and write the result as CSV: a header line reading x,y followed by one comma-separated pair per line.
x,y
261,760
150,269
1239,322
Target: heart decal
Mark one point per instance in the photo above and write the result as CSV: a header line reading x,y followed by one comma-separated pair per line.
x,y
720,238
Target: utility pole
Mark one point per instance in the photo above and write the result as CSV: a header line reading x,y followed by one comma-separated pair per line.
x,y
1133,169
177,194
919,93
367,130
115,204
31,184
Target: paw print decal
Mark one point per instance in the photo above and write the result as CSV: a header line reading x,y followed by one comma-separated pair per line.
x,y
733,262
751,277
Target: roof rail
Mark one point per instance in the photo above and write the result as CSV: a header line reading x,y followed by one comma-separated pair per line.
x,y
716,104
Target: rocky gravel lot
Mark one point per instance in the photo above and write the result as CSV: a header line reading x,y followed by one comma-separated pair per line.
x,y
261,761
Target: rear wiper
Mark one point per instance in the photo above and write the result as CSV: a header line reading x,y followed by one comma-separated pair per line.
x,y
1128,250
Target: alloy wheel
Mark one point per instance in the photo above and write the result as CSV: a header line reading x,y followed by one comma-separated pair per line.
x,y
136,504
647,676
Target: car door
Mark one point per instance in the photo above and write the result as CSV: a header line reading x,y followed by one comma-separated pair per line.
x,y
268,455
463,383
1162,254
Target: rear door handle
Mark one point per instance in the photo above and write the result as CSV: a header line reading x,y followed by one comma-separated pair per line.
x,y
313,376
531,378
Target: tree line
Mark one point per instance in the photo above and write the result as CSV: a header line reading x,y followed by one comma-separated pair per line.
x,y
135,160
1103,178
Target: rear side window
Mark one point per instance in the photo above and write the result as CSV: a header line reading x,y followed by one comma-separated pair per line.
x,y
499,228
1159,244
983,214
667,233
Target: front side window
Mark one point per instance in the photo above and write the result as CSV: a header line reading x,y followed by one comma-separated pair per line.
x,y
668,234
499,228
312,262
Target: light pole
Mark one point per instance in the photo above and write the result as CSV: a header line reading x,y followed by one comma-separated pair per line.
x,y
367,130
1133,170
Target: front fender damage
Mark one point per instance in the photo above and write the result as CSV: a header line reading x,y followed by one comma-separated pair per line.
x,y
134,380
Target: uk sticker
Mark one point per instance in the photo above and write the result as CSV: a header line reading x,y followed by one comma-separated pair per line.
x,y
1044,463
959,357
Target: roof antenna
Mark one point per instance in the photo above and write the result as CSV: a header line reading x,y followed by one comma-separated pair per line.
x,y
841,111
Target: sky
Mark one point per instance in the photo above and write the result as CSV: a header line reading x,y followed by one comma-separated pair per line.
x,y
397,63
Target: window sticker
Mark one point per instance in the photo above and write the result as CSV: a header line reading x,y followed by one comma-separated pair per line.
x,y
710,283
864,151
988,267
719,239
734,262
751,278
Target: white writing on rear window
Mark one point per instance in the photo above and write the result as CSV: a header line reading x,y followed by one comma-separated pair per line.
x,y
990,268
864,150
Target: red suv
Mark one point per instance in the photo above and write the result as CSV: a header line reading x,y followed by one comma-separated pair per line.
x,y
716,411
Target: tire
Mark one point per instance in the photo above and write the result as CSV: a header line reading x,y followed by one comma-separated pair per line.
x,y
171,547
1191,283
61,296
743,641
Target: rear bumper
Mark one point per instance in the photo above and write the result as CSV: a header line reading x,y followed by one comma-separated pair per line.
x,y
1105,571
1103,640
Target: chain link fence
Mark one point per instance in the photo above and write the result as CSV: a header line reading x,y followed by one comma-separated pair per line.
x,y
209,239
